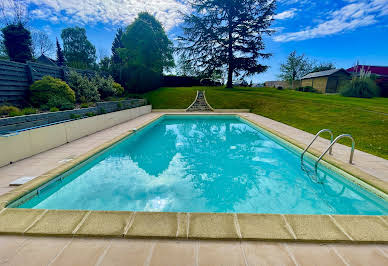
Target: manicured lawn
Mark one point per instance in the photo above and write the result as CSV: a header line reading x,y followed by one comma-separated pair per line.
x,y
365,119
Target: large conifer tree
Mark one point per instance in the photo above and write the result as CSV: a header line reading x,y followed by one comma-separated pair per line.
x,y
227,33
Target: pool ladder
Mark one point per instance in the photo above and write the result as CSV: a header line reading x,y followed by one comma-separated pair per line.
x,y
330,148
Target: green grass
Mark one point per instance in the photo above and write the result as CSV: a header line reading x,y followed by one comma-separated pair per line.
x,y
365,119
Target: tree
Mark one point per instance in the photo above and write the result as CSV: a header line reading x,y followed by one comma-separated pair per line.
x,y
14,12
18,43
146,54
105,64
3,50
295,68
116,62
79,52
227,33
60,57
323,67
42,45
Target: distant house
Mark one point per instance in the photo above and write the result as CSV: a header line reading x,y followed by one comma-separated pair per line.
x,y
381,73
46,60
327,81
276,84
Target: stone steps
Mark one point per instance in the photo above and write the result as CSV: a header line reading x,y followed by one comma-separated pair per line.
x,y
200,104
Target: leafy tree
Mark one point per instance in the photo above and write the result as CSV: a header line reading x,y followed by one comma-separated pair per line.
x,y
18,43
323,67
60,57
295,67
227,33
3,50
42,45
78,50
105,64
146,54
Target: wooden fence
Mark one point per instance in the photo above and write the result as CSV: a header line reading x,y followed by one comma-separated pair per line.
x,y
16,78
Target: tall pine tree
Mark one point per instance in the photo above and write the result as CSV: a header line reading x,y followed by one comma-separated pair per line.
x,y
227,33
60,56
117,63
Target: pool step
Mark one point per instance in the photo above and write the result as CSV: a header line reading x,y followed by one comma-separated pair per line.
x,y
200,104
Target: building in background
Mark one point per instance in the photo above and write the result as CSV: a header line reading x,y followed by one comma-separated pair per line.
x,y
328,81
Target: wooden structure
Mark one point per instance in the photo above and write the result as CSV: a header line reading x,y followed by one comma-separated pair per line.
x,y
327,81
16,78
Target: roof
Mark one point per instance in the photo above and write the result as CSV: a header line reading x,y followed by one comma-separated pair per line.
x,y
46,60
378,70
323,73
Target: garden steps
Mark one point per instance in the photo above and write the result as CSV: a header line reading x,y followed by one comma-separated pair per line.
x,y
200,104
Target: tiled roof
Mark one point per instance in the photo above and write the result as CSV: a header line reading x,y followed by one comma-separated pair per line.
x,y
322,73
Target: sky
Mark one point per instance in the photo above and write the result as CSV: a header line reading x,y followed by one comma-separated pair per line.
x,y
338,31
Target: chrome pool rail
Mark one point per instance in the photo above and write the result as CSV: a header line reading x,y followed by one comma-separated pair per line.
x,y
316,136
332,144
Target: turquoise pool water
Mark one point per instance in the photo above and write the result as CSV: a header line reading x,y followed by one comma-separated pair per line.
x,y
204,164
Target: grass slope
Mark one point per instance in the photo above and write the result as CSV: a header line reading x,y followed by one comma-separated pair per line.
x,y
365,119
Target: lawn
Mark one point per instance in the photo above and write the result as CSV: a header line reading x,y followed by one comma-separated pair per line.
x,y
365,119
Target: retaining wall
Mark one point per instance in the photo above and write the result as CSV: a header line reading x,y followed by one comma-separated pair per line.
x,y
28,143
27,121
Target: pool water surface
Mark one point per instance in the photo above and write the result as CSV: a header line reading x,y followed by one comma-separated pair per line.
x,y
217,164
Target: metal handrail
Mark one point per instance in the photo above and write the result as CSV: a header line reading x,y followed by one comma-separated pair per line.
x,y
332,144
316,136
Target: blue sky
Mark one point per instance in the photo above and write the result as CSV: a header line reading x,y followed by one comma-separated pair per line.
x,y
338,31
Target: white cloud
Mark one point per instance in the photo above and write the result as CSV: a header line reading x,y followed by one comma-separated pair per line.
x,y
351,16
286,14
108,11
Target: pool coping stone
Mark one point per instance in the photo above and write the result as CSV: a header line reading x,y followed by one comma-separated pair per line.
x,y
231,226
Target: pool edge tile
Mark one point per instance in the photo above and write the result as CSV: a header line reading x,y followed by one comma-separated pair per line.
x,y
104,224
17,221
364,228
315,228
212,226
264,227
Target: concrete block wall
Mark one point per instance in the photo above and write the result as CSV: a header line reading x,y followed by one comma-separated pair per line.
x,y
27,121
28,143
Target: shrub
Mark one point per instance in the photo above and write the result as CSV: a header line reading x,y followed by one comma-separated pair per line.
x,y
75,116
309,89
104,85
280,88
54,109
84,105
59,103
51,92
7,109
361,87
29,111
90,114
85,90
118,89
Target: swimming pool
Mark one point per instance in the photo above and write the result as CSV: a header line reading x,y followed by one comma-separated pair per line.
x,y
204,164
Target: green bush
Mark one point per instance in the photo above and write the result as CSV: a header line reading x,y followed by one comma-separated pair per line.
x,y
118,89
54,109
84,105
139,79
307,89
104,85
51,92
59,103
85,89
361,87
7,109
29,111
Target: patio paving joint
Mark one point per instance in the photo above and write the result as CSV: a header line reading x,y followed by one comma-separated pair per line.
x,y
81,222
289,228
340,227
36,220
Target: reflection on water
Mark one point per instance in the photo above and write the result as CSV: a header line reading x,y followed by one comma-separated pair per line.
x,y
200,164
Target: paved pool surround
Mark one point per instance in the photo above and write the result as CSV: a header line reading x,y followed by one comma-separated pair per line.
x,y
315,228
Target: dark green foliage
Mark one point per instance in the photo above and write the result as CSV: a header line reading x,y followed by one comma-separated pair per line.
x,y
361,87
323,67
222,34
90,114
54,109
85,89
29,111
147,52
60,55
279,88
141,79
84,105
119,106
18,43
51,92
105,65
79,52
75,116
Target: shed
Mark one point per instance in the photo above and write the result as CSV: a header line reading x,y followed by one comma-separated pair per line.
x,y
46,60
327,81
